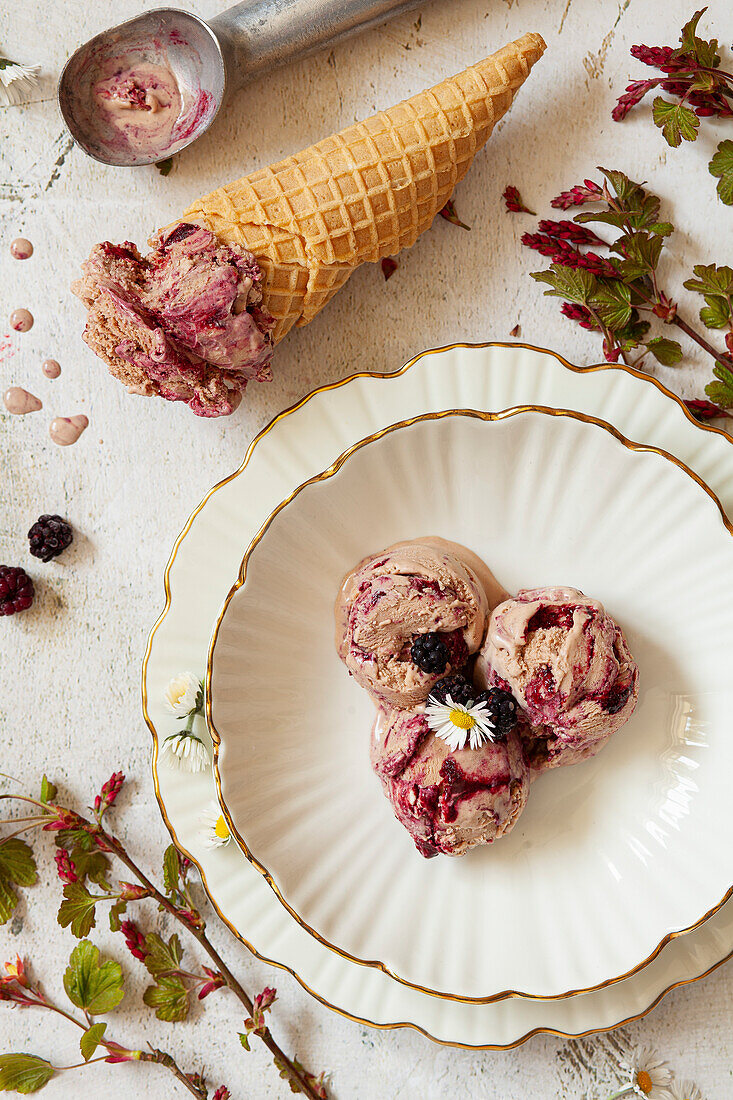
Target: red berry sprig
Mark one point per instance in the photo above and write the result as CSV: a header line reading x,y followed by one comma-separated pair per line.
x,y
693,76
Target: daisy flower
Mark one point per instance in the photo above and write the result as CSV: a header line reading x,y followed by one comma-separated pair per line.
x,y
16,81
458,725
685,1090
183,694
214,831
186,751
649,1076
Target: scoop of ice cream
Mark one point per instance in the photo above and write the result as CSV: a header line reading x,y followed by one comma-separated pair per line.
x,y
183,322
448,801
412,589
568,664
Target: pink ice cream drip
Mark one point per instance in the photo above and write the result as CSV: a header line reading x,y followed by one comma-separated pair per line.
x,y
449,802
568,664
184,322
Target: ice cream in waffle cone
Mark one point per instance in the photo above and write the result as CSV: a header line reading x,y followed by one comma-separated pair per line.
x,y
198,317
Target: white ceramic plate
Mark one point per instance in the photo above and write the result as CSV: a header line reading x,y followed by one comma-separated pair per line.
x,y
493,376
545,500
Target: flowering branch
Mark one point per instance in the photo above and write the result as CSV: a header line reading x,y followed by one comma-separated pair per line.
x,y
618,294
692,75
96,986
85,848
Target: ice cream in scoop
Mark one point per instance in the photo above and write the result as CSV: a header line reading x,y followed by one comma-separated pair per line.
x,y
449,801
568,664
184,322
409,616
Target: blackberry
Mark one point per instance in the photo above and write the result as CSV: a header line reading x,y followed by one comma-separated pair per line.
x,y
502,711
430,653
49,536
16,590
458,687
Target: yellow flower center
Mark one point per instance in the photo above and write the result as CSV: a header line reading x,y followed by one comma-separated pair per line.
x,y
644,1081
221,828
462,720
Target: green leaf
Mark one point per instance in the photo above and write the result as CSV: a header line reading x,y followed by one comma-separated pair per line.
x,y
689,32
164,166
169,998
244,1040
640,254
8,901
48,790
675,120
647,212
716,314
724,373
162,956
171,869
698,49
93,866
716,286
115,913
17,863
613,303
627,192
91,1039
75,838
91,982
632,336
574,285
711,280
667,352
638,208
661,229
721,393
702,82
77,909
615,218
721,166
24,1073
17,868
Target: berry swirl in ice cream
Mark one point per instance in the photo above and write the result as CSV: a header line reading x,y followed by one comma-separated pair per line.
x,y
407,617
568,664
184,322
448,801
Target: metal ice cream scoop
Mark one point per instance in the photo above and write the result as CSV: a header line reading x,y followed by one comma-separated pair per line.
x,y
141,91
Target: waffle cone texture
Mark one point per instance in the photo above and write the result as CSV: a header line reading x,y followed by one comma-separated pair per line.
x,y
366,192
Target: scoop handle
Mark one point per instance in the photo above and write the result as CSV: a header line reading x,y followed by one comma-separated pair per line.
x,y
259,35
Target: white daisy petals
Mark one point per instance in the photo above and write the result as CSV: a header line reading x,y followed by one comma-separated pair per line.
x,y
458,725
214,831
182,694
649,1076
685,1090
17,82
185,751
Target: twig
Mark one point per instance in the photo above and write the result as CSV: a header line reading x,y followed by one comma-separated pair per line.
x,y
22,999
199,934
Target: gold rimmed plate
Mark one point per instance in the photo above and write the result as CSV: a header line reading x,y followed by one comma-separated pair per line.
x,y
547,496
207,554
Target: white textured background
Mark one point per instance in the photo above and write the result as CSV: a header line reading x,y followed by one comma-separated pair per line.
x,y
69,669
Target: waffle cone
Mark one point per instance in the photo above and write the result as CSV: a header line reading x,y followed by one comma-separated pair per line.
x,y
366,192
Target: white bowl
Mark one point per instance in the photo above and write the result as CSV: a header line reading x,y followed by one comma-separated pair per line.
x,y
588,883
208,553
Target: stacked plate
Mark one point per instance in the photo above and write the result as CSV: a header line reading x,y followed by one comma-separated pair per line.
x,y
612,888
